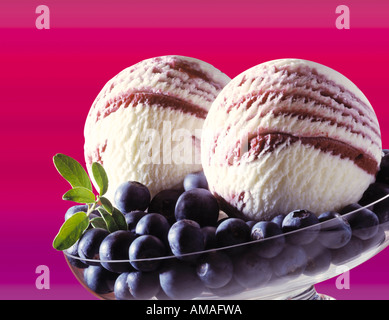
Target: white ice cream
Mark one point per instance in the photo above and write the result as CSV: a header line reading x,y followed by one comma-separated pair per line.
x,y
145,124
290,134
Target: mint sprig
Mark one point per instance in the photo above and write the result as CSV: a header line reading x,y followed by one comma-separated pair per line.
x,y
111,218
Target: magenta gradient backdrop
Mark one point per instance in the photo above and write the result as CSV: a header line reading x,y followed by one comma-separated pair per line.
x,y
49,79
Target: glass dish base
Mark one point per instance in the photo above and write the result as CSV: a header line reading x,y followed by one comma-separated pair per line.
x,y
309,293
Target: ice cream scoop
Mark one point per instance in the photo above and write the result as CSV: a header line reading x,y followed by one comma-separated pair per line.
x,y
145,124
289,134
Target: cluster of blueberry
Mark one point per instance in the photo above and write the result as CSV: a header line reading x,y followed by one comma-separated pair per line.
x,y
179,249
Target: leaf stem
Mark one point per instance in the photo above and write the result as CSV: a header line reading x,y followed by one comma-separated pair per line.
x,y
91,207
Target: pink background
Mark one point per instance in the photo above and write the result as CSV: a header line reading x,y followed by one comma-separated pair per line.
x,y
49,79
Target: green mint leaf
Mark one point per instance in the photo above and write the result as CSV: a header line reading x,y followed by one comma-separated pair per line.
x,y
79,195
72,171
106,204
109,220
98,222
100,177
71,231
119,218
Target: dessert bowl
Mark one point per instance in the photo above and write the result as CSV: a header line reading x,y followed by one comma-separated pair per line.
x,y
284,266
282,143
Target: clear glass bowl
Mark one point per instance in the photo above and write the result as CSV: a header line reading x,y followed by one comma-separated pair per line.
x,y
289,274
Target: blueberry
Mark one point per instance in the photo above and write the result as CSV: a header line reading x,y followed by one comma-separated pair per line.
x,y
161,295
349,208
299,219
251,223
74,209
221,220
89,244
93,215
198,205
84,208
195,180
75,262
209,234
364,223
350,251
131,196
121,289
154,224
99,280
252,271
318,258
381,210
375,192
375,241
278,220
164,202
291,262
335,230
132,219
146,247
232,231
267,248
179,280
230,289
215,269
185,236
383,173
143,285
115,247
